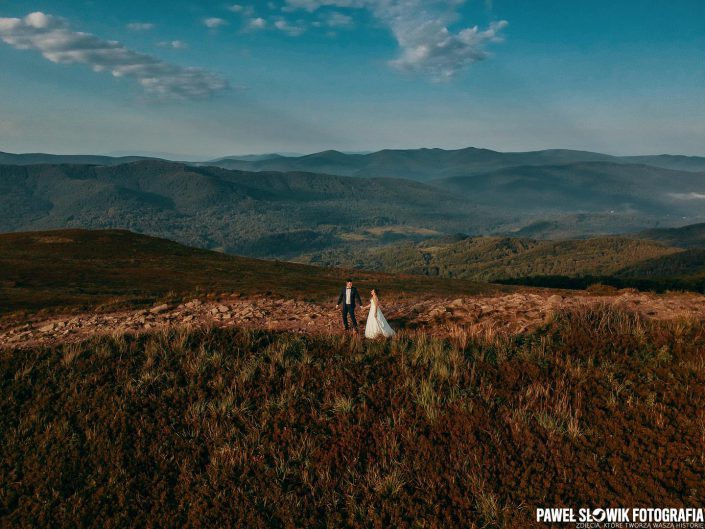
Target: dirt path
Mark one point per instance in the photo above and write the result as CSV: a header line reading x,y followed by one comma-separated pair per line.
x,y
505,313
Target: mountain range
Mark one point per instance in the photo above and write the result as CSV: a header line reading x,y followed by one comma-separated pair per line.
x,y
416,164
263,214
585,186
34,158
298,207
430,164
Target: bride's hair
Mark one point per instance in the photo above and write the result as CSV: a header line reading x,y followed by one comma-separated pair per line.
x,y
376,291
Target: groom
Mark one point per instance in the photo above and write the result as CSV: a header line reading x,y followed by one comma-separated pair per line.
x,y
348,297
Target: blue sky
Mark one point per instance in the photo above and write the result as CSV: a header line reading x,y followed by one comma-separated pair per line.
x,y
210,78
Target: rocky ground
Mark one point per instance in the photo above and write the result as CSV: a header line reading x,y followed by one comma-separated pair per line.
x,y
504,313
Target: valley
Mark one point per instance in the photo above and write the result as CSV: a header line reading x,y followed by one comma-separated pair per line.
x,y
281,209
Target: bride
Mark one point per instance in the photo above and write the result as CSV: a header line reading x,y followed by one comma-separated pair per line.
x,y
376,323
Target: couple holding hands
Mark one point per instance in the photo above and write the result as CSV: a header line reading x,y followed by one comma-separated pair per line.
x,y
376,322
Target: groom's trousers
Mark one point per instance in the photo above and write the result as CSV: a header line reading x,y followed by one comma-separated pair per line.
x,y
349,309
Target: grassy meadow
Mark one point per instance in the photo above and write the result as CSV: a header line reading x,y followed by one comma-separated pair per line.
x,y
236,428
80,270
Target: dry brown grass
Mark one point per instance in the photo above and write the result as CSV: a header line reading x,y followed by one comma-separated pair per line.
x,y
243,428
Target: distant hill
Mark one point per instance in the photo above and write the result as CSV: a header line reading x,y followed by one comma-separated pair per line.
x,y
431,164
415,164
616,261
288,215
244,158
86,159
598,195
669,161
586,186
289,207
685,265
577,225
493,258
692,236
259,214
89,268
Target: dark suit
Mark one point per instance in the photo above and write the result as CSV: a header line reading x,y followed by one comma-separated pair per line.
x,y
349,309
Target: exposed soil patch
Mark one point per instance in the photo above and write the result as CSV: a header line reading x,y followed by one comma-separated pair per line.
x,y
506,314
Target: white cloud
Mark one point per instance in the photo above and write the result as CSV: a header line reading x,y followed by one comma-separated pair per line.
x,y
174,44
214,22
421,28
338,20
289,29
431,48
313,5
257,23
688,196
140,26
52,37
244,10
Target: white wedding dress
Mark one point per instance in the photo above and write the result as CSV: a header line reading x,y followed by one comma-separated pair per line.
x,y
377,326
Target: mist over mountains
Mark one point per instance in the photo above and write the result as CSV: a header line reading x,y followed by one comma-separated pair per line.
x,y
585,186
293,207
